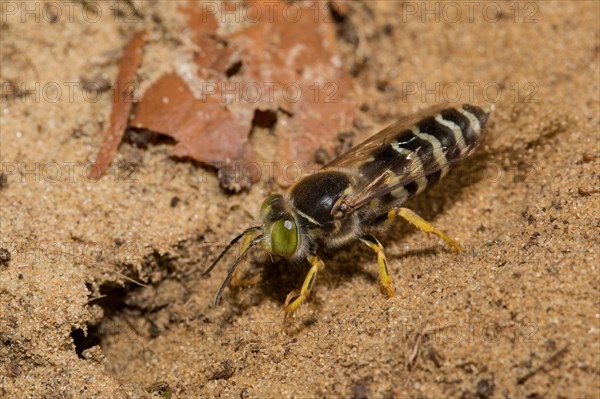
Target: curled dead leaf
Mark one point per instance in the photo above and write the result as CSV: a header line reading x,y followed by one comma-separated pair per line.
x,y
205,129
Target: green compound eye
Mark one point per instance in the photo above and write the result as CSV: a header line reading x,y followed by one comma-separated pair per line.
x,y
284,237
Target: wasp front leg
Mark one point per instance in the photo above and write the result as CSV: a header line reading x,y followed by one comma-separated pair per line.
x,y
296,298
422,225
235,281
382,265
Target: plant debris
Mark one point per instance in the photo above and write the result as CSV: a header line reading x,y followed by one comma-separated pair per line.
x,y
306,79
420,336
3,181
286,68
521,380
122,103
225,373
584,192
205,130
360,390
4,256
162,388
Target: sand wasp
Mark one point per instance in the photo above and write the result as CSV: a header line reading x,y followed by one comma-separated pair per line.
x,y
358,192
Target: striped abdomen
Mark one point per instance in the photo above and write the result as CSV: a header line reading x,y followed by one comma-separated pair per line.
x,y
421,154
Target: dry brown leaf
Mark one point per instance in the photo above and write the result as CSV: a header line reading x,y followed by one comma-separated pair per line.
x,y
291,64
212,54
298,52
122,102
205,130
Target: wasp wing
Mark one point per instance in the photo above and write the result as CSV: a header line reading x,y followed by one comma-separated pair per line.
x,y
365,150
389,160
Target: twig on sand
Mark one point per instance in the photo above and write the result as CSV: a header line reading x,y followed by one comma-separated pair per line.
x,y
419,339
122,103
124,276
521,380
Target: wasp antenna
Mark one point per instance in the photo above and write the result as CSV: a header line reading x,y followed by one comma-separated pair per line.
x,y
228,247
254,241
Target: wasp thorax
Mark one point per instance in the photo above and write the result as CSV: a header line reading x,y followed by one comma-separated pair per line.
x,y
283,233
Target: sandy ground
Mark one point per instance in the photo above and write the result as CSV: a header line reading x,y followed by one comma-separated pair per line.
x,y
100,290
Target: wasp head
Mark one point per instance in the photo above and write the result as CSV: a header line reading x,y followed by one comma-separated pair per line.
x,y
279,235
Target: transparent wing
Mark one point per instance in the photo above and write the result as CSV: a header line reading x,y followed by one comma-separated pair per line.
x,y
397,170
365,150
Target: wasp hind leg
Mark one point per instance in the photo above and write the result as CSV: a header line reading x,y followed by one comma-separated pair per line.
x,y
296,298
382,265
422,225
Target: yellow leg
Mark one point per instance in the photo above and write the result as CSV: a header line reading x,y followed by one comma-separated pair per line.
x,y
236,282
382,265
422,225
295,298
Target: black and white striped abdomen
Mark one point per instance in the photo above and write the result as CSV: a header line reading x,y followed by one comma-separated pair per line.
x,y
452,135
425,151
